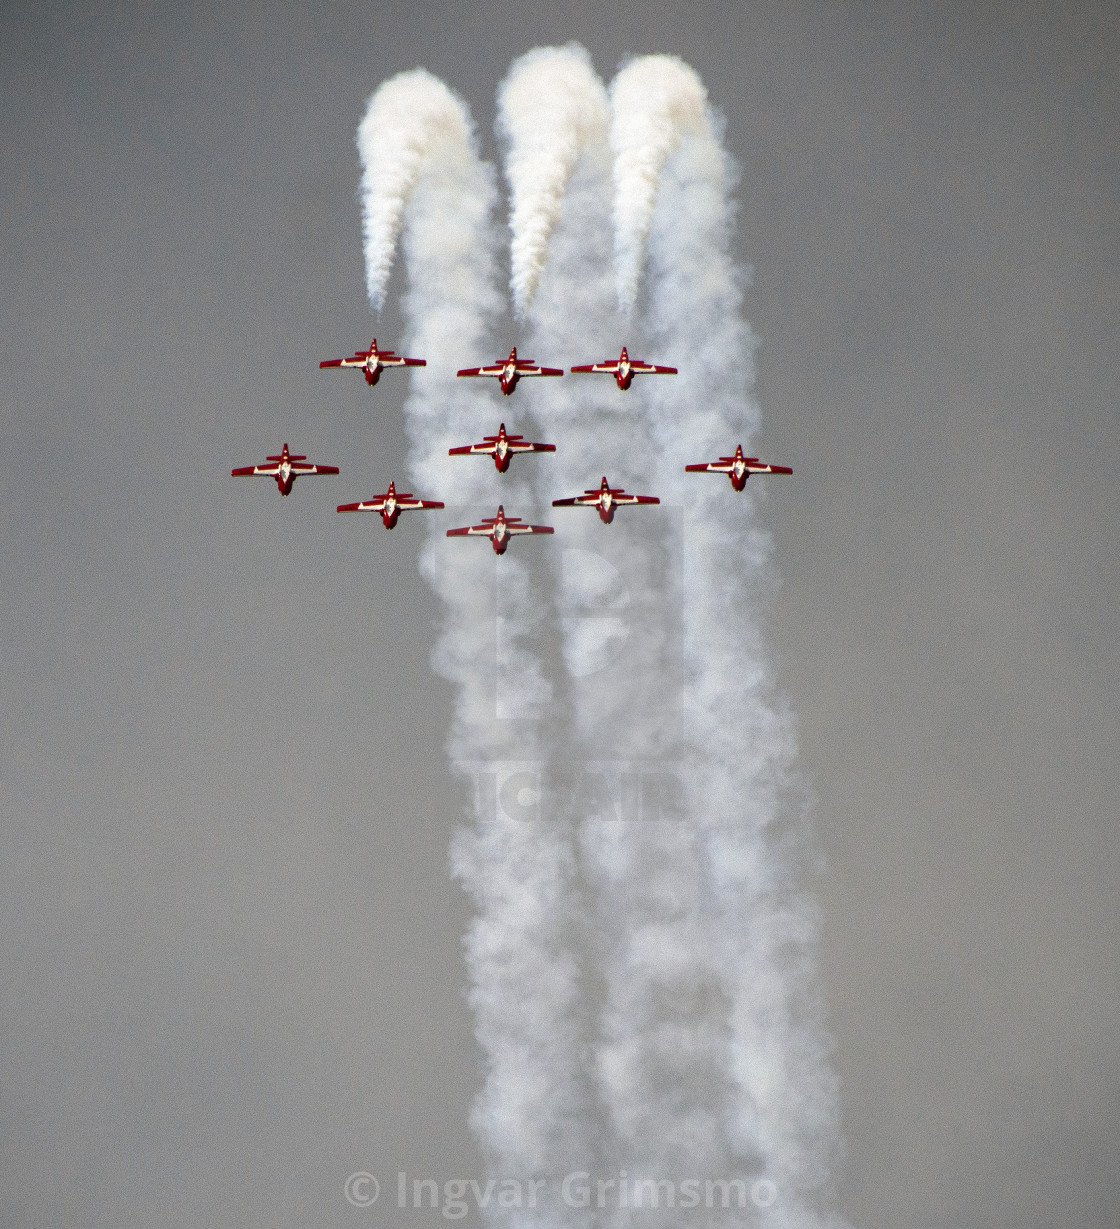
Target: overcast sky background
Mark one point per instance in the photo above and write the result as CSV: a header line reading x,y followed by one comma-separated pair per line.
x,y
229,948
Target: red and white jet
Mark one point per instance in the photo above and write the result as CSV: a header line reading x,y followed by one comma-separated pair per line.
x,y
605,499
390,505
738,468
501,447
624,369
510,371
373,361
285,468
499,529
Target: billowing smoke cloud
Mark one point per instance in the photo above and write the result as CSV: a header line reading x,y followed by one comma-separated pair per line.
x,y
550,107
422,172
661,1055
659,1039
740,787
641,971
406,120
709,1055
656,100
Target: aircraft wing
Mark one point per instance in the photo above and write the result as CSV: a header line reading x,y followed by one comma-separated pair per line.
x,y
514,443
409,504
406,503
398,360
471,531
249,470
725,465
529,528
531,369
592,497
301,468
611,367
466,450
355,360
650,369
495,369
623,498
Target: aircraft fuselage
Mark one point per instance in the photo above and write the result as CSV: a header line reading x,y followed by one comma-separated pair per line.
x,y
499,538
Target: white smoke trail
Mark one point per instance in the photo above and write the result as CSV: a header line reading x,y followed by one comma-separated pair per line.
x,y
661,1043
406,119
761,926
422,172
552,97
656,100
548,114
712,1058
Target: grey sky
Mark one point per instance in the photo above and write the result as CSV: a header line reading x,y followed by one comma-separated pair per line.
x,y
229,962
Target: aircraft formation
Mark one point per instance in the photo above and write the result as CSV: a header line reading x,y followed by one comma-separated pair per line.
x,y
500,529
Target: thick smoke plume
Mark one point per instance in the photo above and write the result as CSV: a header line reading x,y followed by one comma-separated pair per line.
x,y
518,951
410,115
656,101
548,111
739,744
642,976
616,592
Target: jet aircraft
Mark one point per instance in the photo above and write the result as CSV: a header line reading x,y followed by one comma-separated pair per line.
x,y
738,468
390,505
605,499
285,468
511,370
499,529
501,447
624,369
373,361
